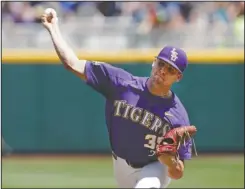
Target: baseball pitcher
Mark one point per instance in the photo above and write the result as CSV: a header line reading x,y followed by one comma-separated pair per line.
x,y
148,126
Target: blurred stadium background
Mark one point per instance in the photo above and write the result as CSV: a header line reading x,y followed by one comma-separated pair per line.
x,y
53,128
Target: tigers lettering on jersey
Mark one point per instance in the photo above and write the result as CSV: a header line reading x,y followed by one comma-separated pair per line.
x,y
141,116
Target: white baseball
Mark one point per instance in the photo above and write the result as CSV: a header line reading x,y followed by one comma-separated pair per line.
x,y
48,11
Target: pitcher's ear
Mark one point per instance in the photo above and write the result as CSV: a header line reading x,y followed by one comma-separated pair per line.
x,y
180,76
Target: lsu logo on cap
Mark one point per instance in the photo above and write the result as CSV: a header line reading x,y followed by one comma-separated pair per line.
x,y
174,55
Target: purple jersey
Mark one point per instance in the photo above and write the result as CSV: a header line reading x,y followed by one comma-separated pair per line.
x,y
136,120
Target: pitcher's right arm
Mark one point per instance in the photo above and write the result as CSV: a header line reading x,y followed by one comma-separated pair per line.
x,y
66,54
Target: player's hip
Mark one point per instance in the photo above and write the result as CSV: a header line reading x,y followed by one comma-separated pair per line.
x,y
152,175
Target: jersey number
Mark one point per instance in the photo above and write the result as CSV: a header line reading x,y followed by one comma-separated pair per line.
x,y
152,141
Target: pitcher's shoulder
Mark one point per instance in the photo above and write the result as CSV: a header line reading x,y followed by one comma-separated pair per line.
x,y
134,82
140,82
180,108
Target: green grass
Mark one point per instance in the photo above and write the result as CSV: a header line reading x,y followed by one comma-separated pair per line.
x,y
89,172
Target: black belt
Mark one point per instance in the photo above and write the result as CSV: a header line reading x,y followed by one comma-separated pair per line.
x,y
134,165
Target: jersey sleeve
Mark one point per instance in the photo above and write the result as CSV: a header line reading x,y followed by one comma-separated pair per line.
x,y
185,151
104,78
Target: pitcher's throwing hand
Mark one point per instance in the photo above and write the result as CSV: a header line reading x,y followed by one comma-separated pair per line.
x,y
49,18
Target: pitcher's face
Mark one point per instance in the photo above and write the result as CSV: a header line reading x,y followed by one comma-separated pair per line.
x,y
163,74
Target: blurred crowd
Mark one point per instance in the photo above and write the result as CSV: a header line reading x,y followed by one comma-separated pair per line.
x,y
213,16
158,13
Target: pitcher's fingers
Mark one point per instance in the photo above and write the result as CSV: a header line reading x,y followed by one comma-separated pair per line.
x,y
53,13
43,19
